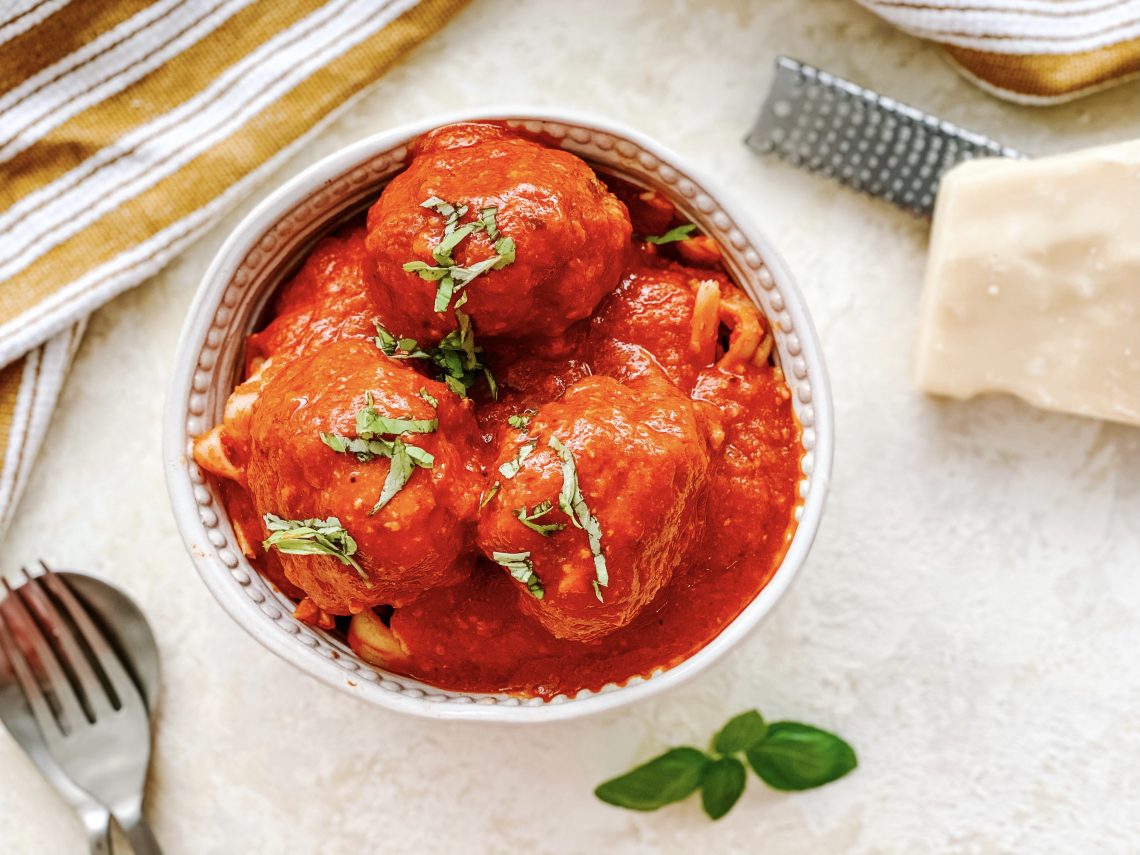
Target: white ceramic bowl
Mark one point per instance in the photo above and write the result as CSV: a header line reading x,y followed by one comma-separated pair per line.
x,y
267,246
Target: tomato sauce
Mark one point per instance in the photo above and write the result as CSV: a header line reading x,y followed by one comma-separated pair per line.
x,y
641,364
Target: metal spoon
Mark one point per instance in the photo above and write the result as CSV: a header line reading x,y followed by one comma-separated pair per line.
x,y
129,633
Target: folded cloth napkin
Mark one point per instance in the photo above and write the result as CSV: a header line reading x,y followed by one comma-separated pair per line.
x,y
127,128
1029,51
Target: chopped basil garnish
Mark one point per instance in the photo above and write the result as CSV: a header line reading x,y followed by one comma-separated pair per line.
x,y
490,494
368,445
540,510
522,568
487,218
386,341
671,236
427,396
442,251
491,384
573,504
450,212
369,422
313,537
369,449
456,357
398,475
451,277
521,421
511,468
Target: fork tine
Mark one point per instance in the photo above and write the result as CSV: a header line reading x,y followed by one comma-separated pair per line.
x,y
23,628
93,688
118,678
34,695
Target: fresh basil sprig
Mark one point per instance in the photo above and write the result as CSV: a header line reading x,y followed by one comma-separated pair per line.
x,y
786,755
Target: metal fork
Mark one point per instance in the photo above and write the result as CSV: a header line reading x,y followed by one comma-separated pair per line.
x,y
91,716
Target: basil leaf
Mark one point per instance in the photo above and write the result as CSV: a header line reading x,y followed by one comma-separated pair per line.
x,y
434,203
463,275
722,784
335,442
669,778
794,756
511,468
573,504
505,247
444,292
487,219
522,568
398,475
521,421
490,494
541,509
419,456
442,251
426,271
450,277
427,396
384,425
671,236
740,734
369,422
313,537
368,449
385,340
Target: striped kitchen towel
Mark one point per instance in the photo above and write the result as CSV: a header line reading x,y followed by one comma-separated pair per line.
x,y
1029,51
127,128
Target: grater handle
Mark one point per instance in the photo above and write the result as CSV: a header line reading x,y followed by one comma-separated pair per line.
x,y
862,139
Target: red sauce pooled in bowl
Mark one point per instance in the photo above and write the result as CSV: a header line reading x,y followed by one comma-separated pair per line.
x,y
518,432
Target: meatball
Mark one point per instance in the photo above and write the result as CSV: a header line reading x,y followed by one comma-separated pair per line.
x,y
687,318
653,308
752,490
333,296
638,451
303,466
569,235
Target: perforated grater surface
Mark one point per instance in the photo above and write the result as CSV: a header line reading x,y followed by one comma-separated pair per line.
x,y
862,139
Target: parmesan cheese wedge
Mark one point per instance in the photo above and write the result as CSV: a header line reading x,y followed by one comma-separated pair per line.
x,y
1033,283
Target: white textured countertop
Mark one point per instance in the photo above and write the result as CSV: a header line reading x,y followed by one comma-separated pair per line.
x,y
969,618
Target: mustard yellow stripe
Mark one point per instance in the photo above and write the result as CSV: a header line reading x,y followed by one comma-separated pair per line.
x,y
162,90
61,33
208,175
10,377
1049,75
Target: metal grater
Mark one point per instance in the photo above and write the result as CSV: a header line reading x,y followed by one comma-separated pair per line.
x,y
862,139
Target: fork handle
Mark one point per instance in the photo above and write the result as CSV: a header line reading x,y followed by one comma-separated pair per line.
x,y
139,835
97,824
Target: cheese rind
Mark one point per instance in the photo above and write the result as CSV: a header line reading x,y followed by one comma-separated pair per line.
x,y
1033,283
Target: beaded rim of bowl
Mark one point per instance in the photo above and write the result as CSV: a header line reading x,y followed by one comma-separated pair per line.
x,y
247,270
